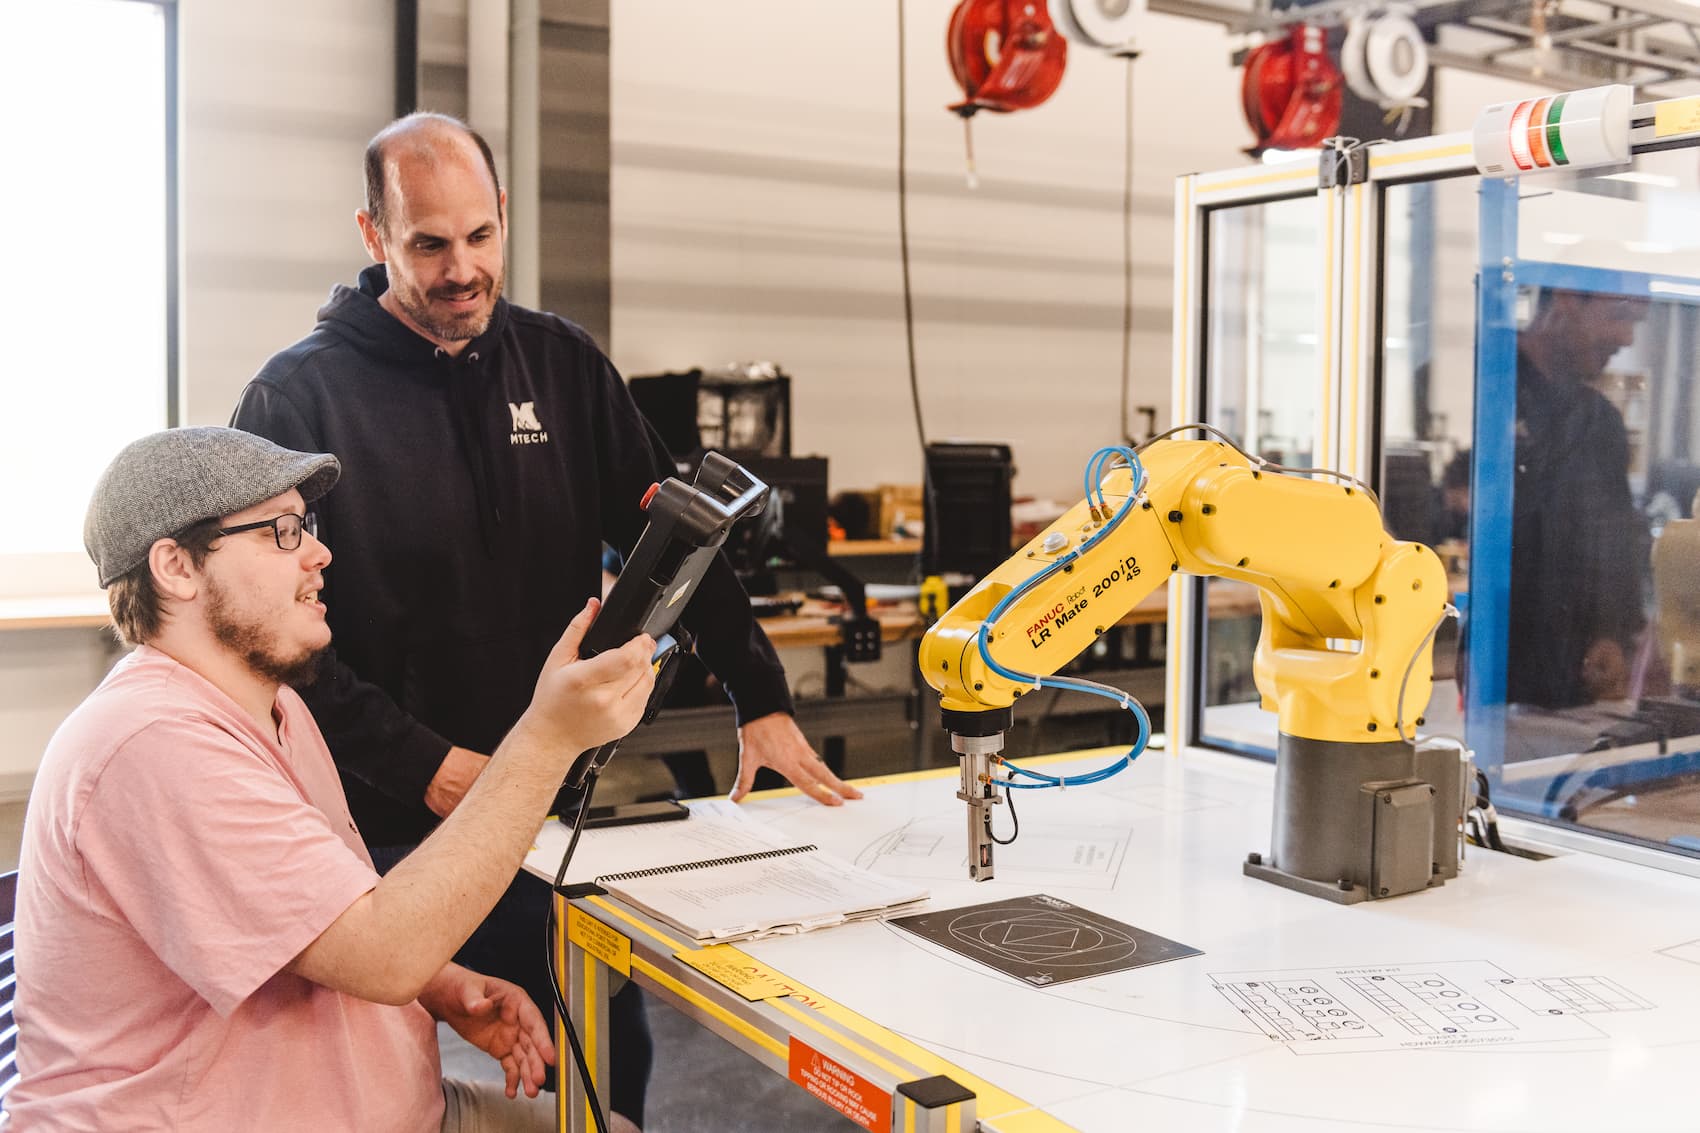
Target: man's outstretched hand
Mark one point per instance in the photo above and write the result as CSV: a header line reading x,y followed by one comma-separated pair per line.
x,y
775,741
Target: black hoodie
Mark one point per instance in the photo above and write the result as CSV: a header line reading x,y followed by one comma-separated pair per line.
x,y
467,530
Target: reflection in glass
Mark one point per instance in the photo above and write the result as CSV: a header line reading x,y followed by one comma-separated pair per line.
x,y
1601,707
1428,389
1579,543
1262,367
1602,724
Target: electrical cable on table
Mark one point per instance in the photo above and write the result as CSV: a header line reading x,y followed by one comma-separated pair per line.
x,y
555,976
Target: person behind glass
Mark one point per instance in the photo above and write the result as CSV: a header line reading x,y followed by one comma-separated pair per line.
x,y
489,451
202,943
1579,546
1453,523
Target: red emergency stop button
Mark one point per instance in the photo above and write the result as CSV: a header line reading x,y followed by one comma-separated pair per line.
x,y
649,495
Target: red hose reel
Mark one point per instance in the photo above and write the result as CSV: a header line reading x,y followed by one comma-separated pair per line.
x,y
1006,54
1291,91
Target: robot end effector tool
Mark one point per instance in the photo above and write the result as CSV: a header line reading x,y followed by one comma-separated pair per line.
x,y
1360,811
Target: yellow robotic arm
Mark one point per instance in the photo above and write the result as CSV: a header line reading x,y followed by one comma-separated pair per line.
x,y
1343,658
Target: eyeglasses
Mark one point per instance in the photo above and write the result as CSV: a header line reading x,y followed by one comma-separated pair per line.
x,y
286,529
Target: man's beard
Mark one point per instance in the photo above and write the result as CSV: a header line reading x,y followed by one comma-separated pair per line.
x,y
254,646
462,328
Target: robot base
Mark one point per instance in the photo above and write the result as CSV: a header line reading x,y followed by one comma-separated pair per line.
x,y
1350,895
1361,822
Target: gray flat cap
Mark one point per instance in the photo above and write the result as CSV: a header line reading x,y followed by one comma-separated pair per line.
x,y
167,481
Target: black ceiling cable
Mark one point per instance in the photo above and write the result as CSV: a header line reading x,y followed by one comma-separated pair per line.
x,y
1127,257
929,504
903,221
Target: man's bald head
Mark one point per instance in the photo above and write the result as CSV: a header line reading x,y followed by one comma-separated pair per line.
x,y
436,219
425,137
1575,334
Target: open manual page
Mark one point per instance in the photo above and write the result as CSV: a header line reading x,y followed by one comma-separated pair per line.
x,y
722,876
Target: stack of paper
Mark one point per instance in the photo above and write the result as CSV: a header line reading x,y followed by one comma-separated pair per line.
x,y
722,876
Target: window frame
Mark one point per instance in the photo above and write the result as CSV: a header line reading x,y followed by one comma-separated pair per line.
x,y
33,592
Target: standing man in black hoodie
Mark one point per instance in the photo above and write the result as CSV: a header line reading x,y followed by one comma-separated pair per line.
x,y
488,452
1580,548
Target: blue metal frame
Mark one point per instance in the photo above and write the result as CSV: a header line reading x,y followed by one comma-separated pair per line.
x,y
1555,792
1488,610
1611,281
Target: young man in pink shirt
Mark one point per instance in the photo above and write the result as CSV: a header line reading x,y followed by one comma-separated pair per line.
x,y
202,943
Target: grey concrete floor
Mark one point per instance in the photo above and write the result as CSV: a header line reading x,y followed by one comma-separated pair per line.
x,y
700,1083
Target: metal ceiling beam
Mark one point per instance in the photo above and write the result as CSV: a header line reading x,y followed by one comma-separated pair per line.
x,y
1323,13
1660,60
1606,27
1195,10
1671,65
1667,63
1669,11
1557,78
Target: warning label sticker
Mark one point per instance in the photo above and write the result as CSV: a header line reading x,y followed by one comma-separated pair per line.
x,y
732,968
840,1087
611,947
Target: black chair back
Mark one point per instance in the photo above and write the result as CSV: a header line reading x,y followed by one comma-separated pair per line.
x,y
8,988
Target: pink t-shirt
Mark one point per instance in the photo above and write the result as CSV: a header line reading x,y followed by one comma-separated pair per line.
x,y
175,859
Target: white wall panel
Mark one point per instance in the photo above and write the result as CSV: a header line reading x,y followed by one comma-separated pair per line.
x,y
755,216
278,101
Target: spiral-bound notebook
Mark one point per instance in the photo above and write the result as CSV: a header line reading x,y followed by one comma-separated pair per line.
x,y
770,888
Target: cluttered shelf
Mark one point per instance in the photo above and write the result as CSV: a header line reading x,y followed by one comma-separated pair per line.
x,y
814,624
850,548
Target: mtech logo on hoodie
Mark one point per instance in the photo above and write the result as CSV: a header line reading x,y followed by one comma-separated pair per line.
x,y
527,430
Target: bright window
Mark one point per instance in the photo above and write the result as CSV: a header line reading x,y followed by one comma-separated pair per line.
x,y
85,290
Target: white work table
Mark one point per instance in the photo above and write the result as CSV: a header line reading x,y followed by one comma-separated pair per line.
x,y
1550,995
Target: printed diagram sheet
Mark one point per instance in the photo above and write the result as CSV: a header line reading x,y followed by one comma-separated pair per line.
x,y
1043,858
1162,798
1069,839
1688,952
1469,1003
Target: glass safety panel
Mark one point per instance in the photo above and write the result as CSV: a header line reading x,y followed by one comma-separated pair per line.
x,y
1427,368
1263,363
1583,664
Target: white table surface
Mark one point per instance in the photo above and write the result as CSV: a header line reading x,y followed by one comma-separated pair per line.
x,y
1583,971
